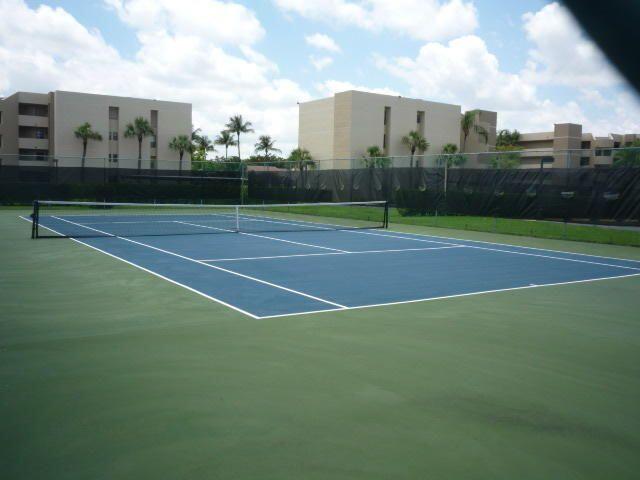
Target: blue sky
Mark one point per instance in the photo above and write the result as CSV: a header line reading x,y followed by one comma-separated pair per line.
x,y
528,60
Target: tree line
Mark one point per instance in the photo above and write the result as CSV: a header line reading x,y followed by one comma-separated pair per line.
x,y
198,145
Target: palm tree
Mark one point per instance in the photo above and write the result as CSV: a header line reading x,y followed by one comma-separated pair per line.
x,y
416,143
374,151
375,158
203,144
266,144
466,122
301,157
181,144
85,133
140,128
237,125
449,158
225,138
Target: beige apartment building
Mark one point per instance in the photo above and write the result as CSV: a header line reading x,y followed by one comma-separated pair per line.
x,y
339,129
37,129
568,146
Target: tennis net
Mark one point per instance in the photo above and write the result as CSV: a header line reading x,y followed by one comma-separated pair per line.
x,y
94,219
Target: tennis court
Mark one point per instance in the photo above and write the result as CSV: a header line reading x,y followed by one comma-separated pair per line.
x,y
269,261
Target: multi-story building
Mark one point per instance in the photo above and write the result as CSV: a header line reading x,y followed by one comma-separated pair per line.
x,y
568,146
37,129
339,129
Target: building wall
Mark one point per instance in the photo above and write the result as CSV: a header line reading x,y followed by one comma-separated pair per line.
x,y
358,120
72,109
14,122
315,132
342,130
9,129
440,123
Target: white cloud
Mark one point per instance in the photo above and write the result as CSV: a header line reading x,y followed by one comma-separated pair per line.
x,y
331,87
322,42
420,19
182,56
463,71
211,20
561,55
320,63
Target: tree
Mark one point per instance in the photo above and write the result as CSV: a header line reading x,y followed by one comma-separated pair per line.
x,y
629,156
225,138
181,144
266,144
203,145
237,125
467,122
375,158
85,133
301,158
139,129
509,159
506,138
416,143
450,156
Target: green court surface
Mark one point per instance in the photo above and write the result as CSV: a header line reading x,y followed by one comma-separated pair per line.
x,y
107,372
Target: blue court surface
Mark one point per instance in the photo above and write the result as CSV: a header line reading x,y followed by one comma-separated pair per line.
x,y
280,273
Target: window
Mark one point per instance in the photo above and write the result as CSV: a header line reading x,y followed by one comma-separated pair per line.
x,y
384,141
40,133
585,145
0,117
113,113
33,109
113,157
387,115
584,161
113,135
0,141
603,152
616,144
154,142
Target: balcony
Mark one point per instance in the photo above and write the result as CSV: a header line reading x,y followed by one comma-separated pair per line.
x,y
33,121
33,143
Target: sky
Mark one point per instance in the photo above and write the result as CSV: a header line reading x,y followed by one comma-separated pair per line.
x,y
528,60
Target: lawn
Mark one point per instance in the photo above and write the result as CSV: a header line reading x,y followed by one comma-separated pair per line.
x,y
108,372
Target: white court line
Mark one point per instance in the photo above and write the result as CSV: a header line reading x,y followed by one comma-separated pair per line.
x,y
341,308
510,251
265,236
274,285
425,237
329,253
488,243
202,294
358,307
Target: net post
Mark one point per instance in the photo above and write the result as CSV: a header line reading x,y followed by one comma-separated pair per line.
x,y
237,218
35,219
